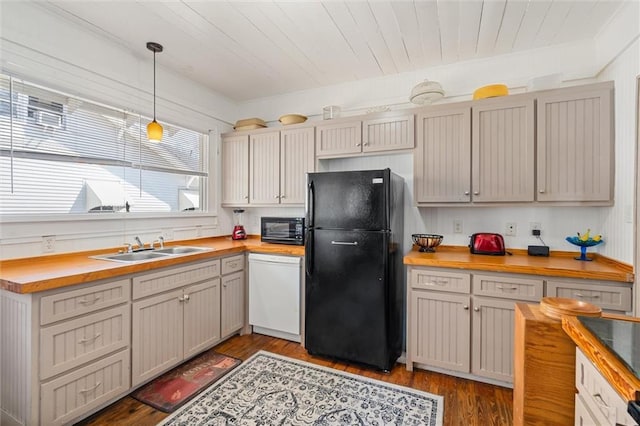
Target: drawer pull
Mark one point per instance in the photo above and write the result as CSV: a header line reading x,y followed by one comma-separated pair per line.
x,y
90,389
499,287
465,307
437,282
90,302
476,309
232,265
583,296
603,405
88,339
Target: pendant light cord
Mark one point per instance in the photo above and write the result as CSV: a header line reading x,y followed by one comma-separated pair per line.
x,y
154,86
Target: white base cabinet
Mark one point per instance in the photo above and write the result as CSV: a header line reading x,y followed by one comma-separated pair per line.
x,y
597,403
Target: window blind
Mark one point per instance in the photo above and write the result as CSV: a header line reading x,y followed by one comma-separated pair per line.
x,y
51,143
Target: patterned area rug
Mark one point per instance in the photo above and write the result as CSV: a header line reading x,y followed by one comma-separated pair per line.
x,y
176,387
270,389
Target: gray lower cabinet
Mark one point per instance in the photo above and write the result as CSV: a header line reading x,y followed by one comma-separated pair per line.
x,y
233,303
65,352
463,322
174,325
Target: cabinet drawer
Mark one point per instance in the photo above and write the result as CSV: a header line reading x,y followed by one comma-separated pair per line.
x,y
75,342
507,287
169,279
425,279
64,305
598,395
612,297
232,264
583,416
80,391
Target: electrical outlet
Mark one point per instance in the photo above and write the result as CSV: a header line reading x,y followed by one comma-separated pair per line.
x,y
48,243
511,229
457,226
535,226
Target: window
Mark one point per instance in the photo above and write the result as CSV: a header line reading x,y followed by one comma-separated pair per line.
x,y
61,154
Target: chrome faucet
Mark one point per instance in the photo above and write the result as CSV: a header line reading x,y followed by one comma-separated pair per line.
x,y
140,243
160,240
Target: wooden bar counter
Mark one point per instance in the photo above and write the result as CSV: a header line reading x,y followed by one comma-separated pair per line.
x,y
544,370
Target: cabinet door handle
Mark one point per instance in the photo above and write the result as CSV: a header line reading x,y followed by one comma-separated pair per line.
x,y
90,389
182,298
246,197
358,144
476,309
366,144
88,339
541,191
466,192
90,302
499,287
476,192
282,196
584,296
465,307
276,197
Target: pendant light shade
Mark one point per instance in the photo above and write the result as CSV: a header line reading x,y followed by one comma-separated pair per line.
x,y
154,129
426,92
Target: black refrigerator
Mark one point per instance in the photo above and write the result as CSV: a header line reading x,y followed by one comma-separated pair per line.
x,y
354,290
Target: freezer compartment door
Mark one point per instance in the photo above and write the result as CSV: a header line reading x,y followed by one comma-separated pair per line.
x,y
347,311
349,200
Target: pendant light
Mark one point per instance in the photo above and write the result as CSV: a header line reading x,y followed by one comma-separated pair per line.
x,y
154,129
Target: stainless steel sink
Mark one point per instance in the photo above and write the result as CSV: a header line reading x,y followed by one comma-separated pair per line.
x,y
147,255
181,250
132,257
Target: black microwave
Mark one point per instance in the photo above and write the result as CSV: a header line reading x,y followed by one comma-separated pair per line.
x,y
282,230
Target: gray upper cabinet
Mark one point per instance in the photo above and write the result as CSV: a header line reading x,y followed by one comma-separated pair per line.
x,y
235,170
336,139
379,132
297,158
575,144
267,167
502,142
481,152
442,158
264,168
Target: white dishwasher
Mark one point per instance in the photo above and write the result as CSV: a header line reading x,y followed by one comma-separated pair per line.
x,y
274,295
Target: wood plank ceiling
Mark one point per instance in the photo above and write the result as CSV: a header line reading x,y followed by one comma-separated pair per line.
x,y
252,49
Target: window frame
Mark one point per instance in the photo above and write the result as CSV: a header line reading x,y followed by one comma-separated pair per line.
x,y
206,207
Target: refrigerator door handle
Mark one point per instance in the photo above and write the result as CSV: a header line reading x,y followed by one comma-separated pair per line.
x,y
311,205
308,253
344,243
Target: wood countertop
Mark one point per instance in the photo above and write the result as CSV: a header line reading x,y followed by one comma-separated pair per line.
x,y
616,373
34,274
558,264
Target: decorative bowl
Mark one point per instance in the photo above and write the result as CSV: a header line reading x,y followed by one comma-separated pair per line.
x,y
427,242
583,244
292,119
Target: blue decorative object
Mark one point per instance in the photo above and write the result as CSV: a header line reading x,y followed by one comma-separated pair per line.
x,y
583,244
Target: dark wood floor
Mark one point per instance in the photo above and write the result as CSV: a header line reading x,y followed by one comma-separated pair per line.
x,y
466,402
